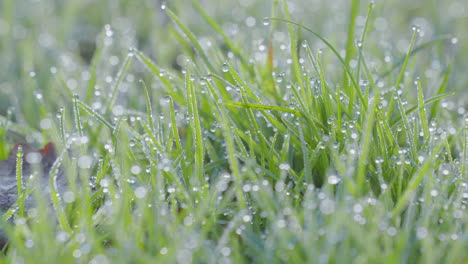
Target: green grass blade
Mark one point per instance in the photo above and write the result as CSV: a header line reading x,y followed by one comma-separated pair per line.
x,y
441,90
154,69
350,40
262,107
337,54
416,180
95,114
193,40
421,47
422,111
149,110
412,109
19,180
115,86
93,67
196,125
175,131
293,42
402,72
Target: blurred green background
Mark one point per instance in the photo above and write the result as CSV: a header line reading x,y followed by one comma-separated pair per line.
x,y
46,46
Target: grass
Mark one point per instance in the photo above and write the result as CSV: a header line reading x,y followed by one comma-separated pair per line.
x,y
189,137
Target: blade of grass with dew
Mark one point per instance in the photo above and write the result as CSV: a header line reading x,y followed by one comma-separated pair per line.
x,y
77,119
416,180
19,180
421,47
324,90
350,48
397,120
61,123
196,126
402,72
293,42
150,134
407,129
367,136
255,128
422,111
369,76
149,110
192,39
95,114
230,147
367,132
264,74
175,131
305,156
361,42
337,54
226,39
116,85
311,109
54,195
441,90
158,73
93,68
262,107
245,86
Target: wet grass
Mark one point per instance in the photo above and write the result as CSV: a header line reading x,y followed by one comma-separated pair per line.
x,y
192,139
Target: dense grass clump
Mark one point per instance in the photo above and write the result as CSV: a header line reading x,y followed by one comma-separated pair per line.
x,y
238,136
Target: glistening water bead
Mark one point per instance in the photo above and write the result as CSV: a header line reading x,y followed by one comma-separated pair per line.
x,y
225,67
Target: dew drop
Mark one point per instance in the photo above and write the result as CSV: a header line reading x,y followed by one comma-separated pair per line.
x,y
333,179
359,44
279,78
416,28
225,67
141,192
284,166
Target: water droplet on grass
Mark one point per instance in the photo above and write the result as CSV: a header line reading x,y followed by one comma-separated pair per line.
x,y
416,28
279,77
140,192
108,30
247,218
225,67
284,166
333,179
359,44
135,169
